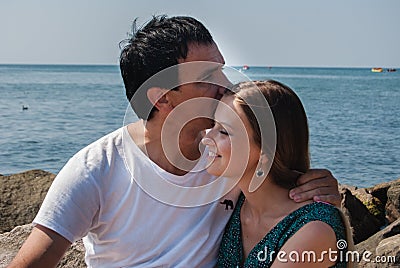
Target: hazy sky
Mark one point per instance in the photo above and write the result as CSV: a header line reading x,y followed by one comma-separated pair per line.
x,y
360,33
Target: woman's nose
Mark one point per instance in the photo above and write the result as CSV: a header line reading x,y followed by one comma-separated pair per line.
x,y
207,141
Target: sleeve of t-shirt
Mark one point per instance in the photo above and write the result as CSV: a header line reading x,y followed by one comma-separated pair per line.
x,y
72,201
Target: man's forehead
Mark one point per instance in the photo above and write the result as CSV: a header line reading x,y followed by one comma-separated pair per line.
x,y
198,71
203,52
225,107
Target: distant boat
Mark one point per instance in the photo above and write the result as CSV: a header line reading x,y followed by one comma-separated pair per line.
x,y
376,70
245,67
25,107
390,70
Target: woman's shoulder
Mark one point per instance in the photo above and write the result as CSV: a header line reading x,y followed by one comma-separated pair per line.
x,y
318,211
315,237
316,214
314,227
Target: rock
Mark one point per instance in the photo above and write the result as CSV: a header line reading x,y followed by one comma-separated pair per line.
x,y
21,196
388,251
380,191
372,203
364,223
386,254
389,234
393,202
10,243
388,194
369,210
346,186
372,242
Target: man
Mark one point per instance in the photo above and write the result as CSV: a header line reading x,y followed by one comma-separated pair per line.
x,y
98,195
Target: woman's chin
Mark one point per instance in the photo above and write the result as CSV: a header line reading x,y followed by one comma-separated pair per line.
x,y
213,172
218,173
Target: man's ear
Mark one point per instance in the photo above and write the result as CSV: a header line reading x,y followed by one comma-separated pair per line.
x,y
157,97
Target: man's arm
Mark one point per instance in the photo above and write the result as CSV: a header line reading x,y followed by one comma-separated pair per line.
x,y
43,248
317,184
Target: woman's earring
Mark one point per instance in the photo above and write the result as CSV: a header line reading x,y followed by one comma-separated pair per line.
x,y
260,172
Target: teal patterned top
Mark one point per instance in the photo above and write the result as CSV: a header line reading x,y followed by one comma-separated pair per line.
x,y
231,250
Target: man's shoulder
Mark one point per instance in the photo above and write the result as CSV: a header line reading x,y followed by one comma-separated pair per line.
x,y
104,143
98,153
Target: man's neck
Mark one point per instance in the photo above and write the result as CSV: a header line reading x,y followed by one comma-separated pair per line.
x,y
162,145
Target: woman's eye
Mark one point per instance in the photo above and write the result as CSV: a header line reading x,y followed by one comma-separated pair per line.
x,y
223,132
219,128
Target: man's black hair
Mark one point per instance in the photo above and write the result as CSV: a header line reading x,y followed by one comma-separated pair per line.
x,y
152,48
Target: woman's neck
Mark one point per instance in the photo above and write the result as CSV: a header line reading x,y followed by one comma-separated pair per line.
x,y
268,201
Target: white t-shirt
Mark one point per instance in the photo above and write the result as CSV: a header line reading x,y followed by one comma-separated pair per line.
x,y
95,196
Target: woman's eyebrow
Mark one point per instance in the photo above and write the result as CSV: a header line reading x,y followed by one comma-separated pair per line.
x,y
222,123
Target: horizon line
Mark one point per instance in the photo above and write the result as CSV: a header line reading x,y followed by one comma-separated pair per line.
x,y
234,65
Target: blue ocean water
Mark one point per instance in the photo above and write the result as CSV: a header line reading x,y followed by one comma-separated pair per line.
x,y
353,116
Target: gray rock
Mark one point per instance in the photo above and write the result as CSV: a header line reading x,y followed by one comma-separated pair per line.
x,y
363,222
21,196
380,190
374,242
388,251
393,202
11,242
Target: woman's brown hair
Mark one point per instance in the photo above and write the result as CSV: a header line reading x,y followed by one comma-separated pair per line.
x,y
292,137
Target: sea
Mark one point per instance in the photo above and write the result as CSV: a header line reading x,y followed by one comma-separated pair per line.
x,y
49,112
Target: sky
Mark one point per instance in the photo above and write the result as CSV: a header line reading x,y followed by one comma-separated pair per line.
x,y
311,33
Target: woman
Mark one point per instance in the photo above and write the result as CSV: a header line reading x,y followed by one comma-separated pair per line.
x,y
267,228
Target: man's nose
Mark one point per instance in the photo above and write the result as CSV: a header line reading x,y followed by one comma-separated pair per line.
x,y
223,82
